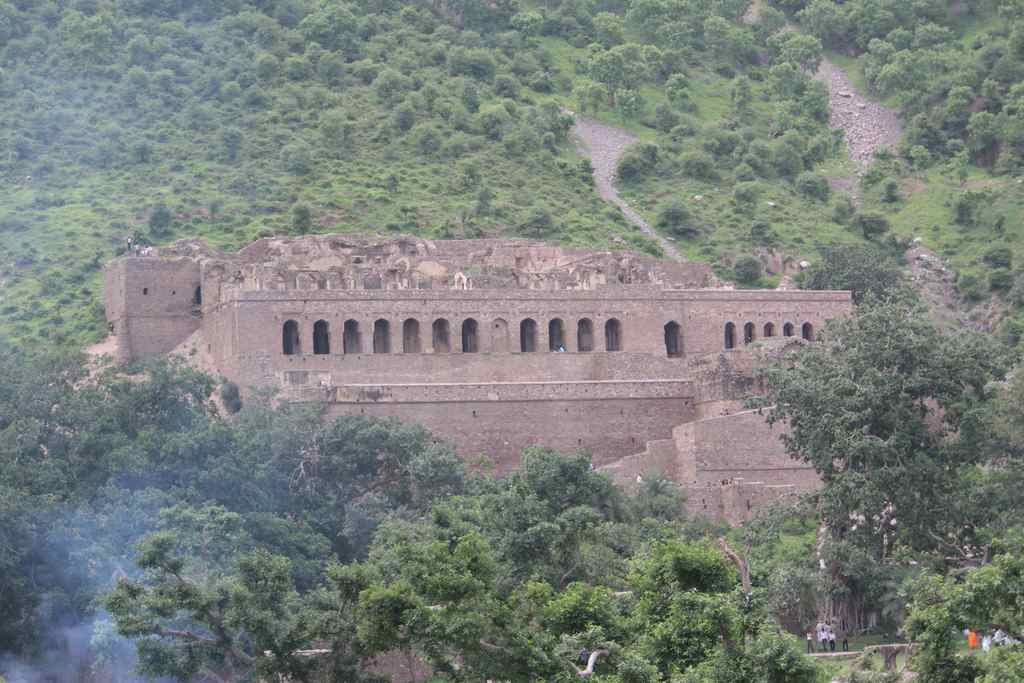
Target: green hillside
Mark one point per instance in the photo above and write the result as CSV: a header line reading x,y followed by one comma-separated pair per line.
x,y
163,119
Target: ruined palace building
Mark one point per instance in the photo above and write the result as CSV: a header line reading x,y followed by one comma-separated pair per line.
x,y
496,345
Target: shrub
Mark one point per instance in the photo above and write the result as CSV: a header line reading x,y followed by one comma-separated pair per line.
x,y
428,138
891,191
675,218
719,141
477,63
761,231
698,164
638,161
297,68
297,158
232,139
870,224
231,396
538,222
998,257
861,269
747,269
1017,292
786,160
746,193
678,93
390,86
506,86
1000,279
843,211
813,185
492,121
744,172
969,286
404,116
965,207
665,118
302,218
160,219
266,66
688,127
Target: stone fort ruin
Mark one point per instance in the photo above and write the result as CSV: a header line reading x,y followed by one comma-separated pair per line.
x,y
496,345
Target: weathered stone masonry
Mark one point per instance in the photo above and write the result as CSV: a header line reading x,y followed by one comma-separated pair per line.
x,y
497,345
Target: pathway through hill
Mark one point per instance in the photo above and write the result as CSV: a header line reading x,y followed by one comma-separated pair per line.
x,y
867,125
604,146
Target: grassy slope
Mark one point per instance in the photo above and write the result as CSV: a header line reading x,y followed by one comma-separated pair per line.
x,y
70,222
926,209
57,231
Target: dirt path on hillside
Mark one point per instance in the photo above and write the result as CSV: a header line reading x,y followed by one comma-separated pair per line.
x,y
604,146
867,125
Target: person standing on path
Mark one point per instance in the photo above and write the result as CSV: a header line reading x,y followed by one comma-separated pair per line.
x,y
810,642
831,639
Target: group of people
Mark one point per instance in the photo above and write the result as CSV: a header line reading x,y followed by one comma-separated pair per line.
x,y
1000,637
826,637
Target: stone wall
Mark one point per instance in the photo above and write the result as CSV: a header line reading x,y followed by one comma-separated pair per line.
x,y
729,465
150,304
641,316
735,501
498,420
496,345
742,445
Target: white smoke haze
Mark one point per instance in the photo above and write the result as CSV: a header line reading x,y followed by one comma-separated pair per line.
x,y
88,652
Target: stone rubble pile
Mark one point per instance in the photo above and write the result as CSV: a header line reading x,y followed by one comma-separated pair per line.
x,y
867,125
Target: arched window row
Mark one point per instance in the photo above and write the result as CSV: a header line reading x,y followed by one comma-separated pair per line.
x,y
750,332
470,333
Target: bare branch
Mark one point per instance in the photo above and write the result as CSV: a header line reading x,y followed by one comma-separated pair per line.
x,y
591,662
740,563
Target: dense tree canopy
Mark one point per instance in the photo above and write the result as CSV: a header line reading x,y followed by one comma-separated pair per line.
x,y
899,420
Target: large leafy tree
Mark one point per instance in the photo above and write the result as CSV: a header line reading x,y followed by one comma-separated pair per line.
x,y
220,626
890,412
987,599
865,271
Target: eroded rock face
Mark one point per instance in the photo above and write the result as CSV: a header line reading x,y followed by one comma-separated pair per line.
x,y
344,262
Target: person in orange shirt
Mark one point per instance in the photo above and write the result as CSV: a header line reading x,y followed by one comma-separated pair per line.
x,y
972,641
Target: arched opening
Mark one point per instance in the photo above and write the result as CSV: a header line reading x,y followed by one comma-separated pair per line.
x,y
556,335
321,337
291,342
499,336
441,336
381,336
197,296
585,335
528,335
673,340
730,336
350,337
769,330
787,330
613,335
748,333
411,336
470,343
807,332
